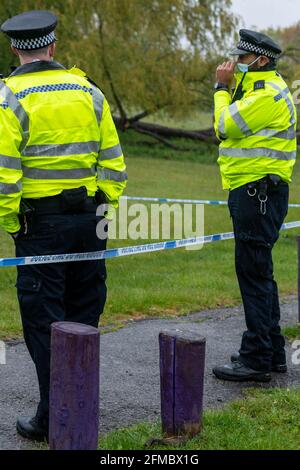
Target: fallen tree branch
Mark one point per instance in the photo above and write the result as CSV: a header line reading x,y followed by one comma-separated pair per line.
x,y
207,135
160,139
162,133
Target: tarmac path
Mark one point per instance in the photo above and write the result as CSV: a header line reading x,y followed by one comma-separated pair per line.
x,y
129,377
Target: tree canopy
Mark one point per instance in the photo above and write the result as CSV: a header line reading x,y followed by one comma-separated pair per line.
x,y
146,55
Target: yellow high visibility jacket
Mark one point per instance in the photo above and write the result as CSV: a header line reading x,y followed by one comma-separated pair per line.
x,y
258,131
57,133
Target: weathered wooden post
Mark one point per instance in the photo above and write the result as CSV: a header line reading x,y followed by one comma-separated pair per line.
x,y
298,243
74,387
182,362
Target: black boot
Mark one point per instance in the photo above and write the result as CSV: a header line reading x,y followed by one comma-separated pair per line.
x,y
32,428
280,368
237,372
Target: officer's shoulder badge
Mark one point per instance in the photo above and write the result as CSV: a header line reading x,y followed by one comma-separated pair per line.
x,y
259,85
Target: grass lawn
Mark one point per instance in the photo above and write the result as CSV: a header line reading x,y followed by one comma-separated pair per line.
x,y
292,332
176,281
265,420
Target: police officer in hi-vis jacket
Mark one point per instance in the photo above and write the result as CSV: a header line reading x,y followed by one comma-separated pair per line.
x,y
256,124
60,157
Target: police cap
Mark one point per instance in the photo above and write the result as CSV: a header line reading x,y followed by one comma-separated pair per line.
x,y
31,30
252,42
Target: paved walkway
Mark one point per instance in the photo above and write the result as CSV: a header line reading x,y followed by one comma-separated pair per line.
x,y
130,370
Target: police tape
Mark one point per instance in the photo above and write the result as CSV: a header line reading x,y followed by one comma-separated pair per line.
x,y
164,199
184,201
125,251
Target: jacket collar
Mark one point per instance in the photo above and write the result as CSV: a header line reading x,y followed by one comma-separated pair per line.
x,y
39,66
252,77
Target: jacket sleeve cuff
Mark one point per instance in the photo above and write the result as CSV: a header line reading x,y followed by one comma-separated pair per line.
x,y
10,224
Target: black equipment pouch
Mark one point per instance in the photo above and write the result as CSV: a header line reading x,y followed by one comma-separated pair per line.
x,y
26,213
73,199
100,197
275,180
260,188
26,208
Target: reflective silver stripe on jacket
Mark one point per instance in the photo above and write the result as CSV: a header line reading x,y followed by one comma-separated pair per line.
x,y
17,109
12,163
257,152
238,119
98,100
284,93
61,150
113,175
111,152
10,188
221,128
42,174
288,134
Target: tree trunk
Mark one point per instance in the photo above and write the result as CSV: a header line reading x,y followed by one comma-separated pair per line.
x,y
207,135
163,132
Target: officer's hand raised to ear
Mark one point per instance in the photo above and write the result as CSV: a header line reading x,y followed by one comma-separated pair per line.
x,y
225,72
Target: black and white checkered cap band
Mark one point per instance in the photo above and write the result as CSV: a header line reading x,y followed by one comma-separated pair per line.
x,y
35,43
248,46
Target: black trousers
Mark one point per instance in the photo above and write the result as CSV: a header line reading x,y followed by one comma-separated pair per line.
x,y
58,292
255,236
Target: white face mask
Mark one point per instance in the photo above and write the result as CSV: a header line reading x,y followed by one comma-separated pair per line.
x,y
244,68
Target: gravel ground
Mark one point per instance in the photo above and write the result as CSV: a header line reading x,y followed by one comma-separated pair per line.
x,y
130,370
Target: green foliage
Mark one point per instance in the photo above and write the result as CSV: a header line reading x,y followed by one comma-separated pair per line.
x,y
288,38
292,332
146,55
7,59
289,64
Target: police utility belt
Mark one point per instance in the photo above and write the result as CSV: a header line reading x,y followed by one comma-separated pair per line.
x,y
260,188
68,201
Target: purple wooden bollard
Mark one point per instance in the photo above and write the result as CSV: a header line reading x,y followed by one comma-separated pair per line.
x,y
182,361
298,243
74,387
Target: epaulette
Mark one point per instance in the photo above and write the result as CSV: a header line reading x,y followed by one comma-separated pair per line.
x,y
94,83
259,85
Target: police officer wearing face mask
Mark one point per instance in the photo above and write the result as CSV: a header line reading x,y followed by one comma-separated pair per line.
x,y
256,124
